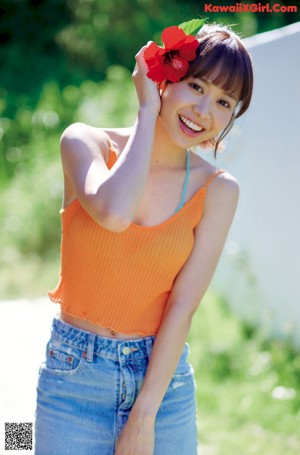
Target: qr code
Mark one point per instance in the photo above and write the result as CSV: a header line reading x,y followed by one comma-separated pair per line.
x,y
18,436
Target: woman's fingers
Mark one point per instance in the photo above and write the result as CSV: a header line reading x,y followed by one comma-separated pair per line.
x,y
140,60
147,90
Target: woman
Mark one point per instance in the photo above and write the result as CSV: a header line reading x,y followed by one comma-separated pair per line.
x,y
144,223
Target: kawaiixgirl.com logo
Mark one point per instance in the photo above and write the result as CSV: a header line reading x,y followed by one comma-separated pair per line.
x,y
250,7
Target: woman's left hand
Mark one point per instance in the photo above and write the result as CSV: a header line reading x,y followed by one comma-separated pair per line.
x,y
137,437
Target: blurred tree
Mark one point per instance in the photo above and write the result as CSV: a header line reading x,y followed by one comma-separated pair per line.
x,y
69,41
28,52
105,32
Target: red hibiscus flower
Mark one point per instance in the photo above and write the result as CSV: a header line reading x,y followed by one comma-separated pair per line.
x,y
171,61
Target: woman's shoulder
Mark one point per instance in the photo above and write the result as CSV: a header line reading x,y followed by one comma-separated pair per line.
x,y
222,187
222,193
211,172
106,138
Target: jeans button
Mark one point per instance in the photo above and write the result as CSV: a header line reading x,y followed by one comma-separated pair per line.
x,y
128,350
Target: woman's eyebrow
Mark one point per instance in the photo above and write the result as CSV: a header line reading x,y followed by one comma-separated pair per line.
x,y
231,95
207,81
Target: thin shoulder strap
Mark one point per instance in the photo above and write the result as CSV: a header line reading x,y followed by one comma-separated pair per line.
x,y
211,178
112,158
186,180
111,147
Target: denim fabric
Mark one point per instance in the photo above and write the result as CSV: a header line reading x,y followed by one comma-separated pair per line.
x,y
87,387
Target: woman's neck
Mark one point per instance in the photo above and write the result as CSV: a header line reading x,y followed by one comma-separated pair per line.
x,y
165,153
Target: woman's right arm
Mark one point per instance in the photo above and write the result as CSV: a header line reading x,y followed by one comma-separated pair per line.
x,y
111,197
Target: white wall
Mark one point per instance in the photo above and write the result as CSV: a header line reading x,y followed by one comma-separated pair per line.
x,y
259,272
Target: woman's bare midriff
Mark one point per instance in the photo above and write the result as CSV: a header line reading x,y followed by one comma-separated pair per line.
x,y
102,331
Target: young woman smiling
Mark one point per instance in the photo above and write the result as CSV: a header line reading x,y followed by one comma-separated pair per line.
x,y
144,222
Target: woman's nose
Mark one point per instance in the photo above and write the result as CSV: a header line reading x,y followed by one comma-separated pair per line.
x,y
203,108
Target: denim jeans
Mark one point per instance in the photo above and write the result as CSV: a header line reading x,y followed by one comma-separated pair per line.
x,y
87,387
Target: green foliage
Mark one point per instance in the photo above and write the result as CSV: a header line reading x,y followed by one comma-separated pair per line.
x,y
109,103
247,385
29,51
191,26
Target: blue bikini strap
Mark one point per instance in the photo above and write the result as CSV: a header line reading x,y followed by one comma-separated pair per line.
x,y
187,174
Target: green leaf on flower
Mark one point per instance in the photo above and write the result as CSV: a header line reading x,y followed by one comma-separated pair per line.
x,y
190,26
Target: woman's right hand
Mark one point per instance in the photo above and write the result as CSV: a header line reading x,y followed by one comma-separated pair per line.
x,y
147,90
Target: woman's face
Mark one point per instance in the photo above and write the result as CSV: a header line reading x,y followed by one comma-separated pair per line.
x,y
194,110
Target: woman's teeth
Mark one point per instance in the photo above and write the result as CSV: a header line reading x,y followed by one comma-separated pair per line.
x,y
191,125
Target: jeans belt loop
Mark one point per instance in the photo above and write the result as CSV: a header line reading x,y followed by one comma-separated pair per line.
x,y
149,345
90,349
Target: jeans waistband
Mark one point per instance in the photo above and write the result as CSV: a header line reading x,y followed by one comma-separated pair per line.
x,y
93,344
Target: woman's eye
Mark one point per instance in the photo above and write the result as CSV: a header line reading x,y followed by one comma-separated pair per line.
x,y
224,103
196,87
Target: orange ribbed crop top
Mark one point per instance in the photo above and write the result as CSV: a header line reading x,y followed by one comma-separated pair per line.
x,y
122,280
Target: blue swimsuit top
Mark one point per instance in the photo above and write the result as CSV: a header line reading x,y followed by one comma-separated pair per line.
x,y
188,166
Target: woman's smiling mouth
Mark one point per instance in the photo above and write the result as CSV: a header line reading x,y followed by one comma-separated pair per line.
x,y
190,126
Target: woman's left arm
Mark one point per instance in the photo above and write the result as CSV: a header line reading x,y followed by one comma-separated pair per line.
x,y
188,290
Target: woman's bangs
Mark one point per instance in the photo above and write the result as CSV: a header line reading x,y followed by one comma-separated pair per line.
x,y
222,67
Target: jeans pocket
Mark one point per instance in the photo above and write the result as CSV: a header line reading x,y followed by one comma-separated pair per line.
x,y
184,369
183,374
62,359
